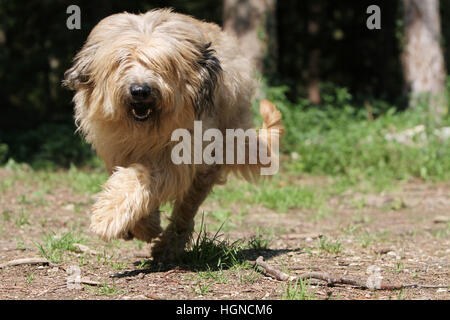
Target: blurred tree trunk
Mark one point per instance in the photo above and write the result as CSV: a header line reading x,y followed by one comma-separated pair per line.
x,y
314,55
254,24
423,60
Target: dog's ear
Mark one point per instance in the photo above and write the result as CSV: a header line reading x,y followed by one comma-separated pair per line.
x,y
78,75
210,72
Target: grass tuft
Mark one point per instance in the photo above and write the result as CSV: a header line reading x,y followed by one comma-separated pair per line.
x,y
299,290
55,246
212,252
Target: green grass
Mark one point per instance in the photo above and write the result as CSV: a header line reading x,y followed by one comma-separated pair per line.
x,y
30,278
35,199
202,287
117,265
20,245
212,252
261,240
249,277
23,219
329,246
87,181
441,232
54,247
108,289
222,217
298,290
270,194
6,215
218,276
366,239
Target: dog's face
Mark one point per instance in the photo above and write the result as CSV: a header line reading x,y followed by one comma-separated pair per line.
x,y
142,69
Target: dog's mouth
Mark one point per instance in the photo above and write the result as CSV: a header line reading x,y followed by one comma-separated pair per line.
x,y
141,111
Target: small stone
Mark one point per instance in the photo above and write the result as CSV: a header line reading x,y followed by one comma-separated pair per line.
x,y
70,207
53,270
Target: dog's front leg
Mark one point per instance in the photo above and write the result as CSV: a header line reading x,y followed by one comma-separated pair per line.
x,y
173,240
125,199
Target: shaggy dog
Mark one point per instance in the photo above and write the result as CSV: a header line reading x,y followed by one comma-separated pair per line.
x,y
136,80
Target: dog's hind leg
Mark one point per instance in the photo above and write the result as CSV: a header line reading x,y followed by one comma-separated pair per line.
x,y
178,233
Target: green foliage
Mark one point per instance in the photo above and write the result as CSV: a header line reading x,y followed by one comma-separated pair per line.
x,y
3,152
48,145
337,138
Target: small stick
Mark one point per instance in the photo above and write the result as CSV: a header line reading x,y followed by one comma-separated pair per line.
x,y
277,274
331,280
89,282
30,261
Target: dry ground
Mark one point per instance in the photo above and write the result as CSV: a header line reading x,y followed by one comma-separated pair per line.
x,y
405,232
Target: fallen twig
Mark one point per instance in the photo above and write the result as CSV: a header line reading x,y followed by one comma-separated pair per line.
x,y
153,297
332,280
277,274
90,282
85,249
30,261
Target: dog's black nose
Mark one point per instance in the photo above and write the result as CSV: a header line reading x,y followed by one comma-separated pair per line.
x,y
140,91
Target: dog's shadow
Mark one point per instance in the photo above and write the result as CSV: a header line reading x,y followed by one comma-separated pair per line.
x,y
186,263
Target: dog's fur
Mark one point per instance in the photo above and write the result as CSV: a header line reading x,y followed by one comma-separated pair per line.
x,y
196,73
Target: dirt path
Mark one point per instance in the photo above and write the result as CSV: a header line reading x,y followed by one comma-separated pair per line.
x,y
405,234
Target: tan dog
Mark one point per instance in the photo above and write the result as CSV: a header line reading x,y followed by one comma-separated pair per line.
x,y
137,79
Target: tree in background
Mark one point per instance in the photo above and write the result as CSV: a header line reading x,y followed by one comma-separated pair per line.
x,y
423,59
314,55
254,23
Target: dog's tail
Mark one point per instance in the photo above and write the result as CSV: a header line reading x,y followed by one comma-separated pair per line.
x,y
271,122
266,146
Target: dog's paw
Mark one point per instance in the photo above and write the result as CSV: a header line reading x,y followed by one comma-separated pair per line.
x,y
166,252
170,246
124,201
108,225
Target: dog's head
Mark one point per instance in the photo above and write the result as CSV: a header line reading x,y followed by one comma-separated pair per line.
x,y
144,68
